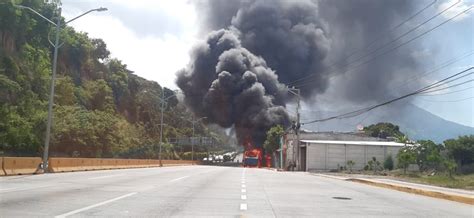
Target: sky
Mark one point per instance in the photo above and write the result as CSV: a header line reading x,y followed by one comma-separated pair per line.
x,y
154,37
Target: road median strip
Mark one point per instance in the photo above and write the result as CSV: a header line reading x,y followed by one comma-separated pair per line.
x,y
429,193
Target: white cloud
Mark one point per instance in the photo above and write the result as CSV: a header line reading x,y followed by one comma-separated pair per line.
x,y
458,8
154,57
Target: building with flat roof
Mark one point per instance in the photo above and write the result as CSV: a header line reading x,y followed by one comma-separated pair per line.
x,y
326,151
334,154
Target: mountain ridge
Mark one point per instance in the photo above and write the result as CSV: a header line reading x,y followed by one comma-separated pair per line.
x,y
414,121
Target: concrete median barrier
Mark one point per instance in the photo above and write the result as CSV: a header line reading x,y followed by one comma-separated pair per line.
x,y
27,165
21,165
2,172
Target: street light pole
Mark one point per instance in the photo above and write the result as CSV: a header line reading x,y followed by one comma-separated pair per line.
x,y
56,46
192,143
51,95
163,102
161,126
194,121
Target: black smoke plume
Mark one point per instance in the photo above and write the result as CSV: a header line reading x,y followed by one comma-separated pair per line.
x,y
237,76
233,88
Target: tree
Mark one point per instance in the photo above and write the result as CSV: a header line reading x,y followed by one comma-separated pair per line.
x,y
428,155
461,149
65,91
374,164
100,49
97,95
388,163
272,143
350,164
450,166
383,130
100,107
405,157
402,139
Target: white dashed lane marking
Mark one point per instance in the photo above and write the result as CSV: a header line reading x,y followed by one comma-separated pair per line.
x,y
243,206
180,178
95,205
103,177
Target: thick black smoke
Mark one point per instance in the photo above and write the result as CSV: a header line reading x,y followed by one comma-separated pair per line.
x,y
252,48
289,35
232,87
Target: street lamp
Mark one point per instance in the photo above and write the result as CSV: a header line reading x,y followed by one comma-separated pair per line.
x,y
163,102
193,121
56,46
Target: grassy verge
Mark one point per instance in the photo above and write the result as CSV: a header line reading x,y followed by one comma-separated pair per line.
x,y
457,181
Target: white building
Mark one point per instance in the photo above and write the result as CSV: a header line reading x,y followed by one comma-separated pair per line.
x,y
330,150
333,154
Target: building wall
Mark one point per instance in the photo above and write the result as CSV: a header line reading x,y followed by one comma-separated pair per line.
x,y
332,156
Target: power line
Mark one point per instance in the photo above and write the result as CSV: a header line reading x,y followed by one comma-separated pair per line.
x,y
446,82
309,81
458,84
447,93
406,33
458,100
363,110
381,36
436,69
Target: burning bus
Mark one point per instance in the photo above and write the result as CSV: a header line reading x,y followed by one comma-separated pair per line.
x,y
253,156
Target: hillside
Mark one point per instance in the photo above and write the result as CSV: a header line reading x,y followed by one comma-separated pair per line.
x,y
102,109
412,120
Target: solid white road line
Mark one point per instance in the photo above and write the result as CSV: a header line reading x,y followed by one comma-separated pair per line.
x,y
94,205
243,197
180,178
243,206
103,177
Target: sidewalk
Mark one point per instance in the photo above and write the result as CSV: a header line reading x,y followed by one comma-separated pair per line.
x,y
458,195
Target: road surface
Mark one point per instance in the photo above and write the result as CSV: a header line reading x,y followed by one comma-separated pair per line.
x,y
209,191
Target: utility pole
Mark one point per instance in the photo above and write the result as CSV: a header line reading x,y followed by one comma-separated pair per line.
x,y
296,126
56,47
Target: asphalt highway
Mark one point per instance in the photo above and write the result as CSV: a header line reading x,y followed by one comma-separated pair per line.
x,y
209,191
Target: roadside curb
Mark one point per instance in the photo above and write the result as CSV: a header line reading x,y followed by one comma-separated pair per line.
x,y
329,176
434,194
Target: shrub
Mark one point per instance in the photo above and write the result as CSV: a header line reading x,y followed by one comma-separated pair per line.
x,y
388,163
350,164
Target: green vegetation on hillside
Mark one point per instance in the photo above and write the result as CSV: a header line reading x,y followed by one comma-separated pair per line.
x,y
102,109
383,130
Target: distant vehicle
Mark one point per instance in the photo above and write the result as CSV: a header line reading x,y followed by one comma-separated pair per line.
x,y
253,158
